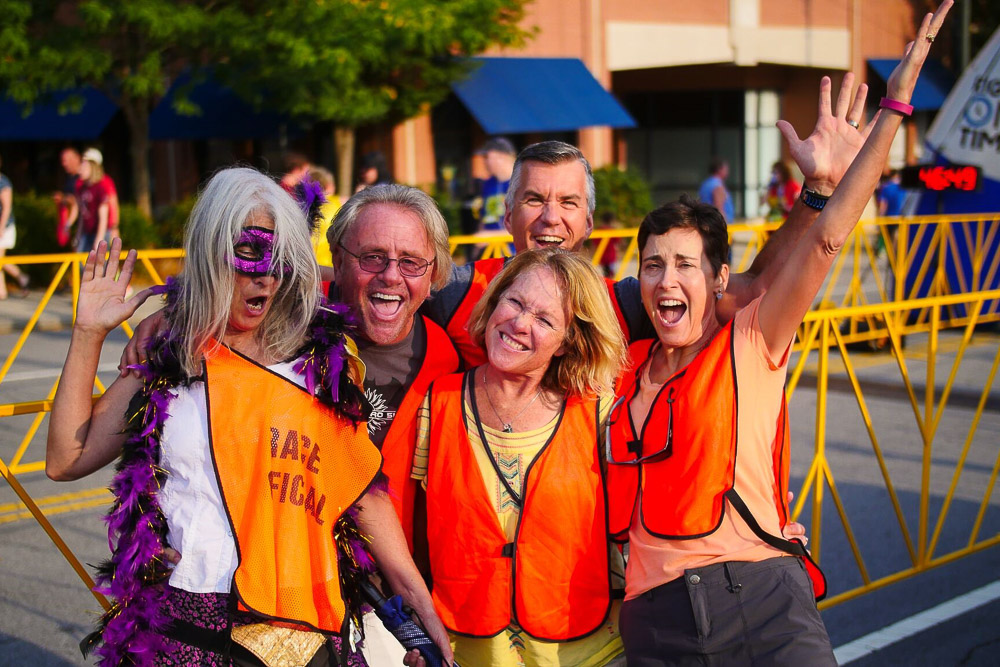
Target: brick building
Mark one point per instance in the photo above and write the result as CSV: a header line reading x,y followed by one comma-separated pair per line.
x,y
701,79
687,81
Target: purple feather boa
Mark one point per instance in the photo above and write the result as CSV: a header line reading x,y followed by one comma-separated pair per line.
x,y
323,362
130,633
134,576
310,197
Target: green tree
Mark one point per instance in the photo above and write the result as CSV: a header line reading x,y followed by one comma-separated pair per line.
x,y
622,192
129,49
357,62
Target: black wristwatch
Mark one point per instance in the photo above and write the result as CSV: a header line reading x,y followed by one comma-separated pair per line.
x,y
813,199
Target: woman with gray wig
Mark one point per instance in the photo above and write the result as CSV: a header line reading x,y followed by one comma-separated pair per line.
x,y
240,528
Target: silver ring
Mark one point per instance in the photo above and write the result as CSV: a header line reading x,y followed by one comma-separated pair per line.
x,y
855,124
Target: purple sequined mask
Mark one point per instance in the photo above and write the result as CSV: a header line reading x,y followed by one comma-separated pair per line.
x,y
253,252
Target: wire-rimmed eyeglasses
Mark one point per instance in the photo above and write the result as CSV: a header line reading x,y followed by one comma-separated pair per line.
x,y
377,262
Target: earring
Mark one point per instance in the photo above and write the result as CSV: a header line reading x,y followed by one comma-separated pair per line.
x,y
718,296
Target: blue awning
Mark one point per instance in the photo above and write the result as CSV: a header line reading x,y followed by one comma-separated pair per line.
x,y
223,115
512,95
933,86
46,123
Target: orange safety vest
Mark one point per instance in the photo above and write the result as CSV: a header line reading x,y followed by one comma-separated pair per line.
x,y
288,467
554,579
681,493
440,358
610,282
483,273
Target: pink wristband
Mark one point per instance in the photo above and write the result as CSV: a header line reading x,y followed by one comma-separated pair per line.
x,y
896,105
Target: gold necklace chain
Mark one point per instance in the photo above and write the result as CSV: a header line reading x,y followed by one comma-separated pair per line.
x,y
507,425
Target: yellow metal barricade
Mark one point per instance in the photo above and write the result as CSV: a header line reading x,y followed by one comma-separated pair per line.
x,y
65,265
748,239
824,346
867,300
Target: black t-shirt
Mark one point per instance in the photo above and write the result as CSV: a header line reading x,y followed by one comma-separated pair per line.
x,y
389,372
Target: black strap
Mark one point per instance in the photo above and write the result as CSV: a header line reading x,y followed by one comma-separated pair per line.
x,y
470,378
221,643
789,547
213,641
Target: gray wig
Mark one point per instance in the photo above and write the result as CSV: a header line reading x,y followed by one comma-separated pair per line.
x,y
414,200
232,199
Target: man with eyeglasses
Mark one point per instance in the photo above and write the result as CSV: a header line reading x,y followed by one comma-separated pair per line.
x,y
390,247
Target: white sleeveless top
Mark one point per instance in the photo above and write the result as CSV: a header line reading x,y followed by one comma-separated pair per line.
x,y
197,525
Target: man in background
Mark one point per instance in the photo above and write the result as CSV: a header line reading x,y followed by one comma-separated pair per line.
x,y
66,205
296,167
499,155
713,189
891,195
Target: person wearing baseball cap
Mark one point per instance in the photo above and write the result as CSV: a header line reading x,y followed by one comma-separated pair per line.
x,y
97,203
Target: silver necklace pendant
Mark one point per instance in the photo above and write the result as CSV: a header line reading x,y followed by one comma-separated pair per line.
x,y
508,427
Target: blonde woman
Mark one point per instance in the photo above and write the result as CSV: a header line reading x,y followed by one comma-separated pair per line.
x,y
523,571
94,201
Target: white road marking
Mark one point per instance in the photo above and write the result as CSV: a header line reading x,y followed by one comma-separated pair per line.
x,y
908,627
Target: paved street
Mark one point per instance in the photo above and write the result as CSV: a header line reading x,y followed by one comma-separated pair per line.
x,y
45,609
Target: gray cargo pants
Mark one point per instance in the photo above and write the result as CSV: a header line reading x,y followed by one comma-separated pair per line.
x,y
730,614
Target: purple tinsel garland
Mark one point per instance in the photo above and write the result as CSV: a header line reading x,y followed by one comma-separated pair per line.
x,y
130,633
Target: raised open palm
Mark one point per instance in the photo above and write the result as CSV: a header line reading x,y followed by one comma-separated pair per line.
x,y
824,155
103,305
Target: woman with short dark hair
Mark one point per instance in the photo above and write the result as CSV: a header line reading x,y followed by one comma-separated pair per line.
x,y
698,455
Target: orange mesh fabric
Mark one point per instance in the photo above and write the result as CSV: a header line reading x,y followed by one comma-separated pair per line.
x,y
440,358
288,467
682,492
559,582
483,273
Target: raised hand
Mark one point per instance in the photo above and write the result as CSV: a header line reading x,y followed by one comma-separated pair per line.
x,y
103,306
824,155
904,78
